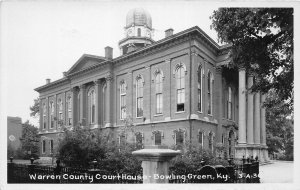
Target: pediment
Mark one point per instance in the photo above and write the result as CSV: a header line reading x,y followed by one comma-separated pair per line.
x,y
86,61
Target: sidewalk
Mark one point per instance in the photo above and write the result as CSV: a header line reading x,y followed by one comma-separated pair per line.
x,y
277,172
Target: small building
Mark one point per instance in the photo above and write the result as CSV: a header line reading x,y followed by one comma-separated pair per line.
x,y
14,132
176,90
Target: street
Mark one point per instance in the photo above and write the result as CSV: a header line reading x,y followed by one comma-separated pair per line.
x,y
277,172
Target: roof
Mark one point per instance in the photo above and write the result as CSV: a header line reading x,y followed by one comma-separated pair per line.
x,y
102,60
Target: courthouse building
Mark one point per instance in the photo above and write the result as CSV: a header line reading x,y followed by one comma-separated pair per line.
x,y
177,90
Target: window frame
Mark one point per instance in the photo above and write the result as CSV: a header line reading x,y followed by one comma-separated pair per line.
x,y
60,109
210,92
183,137
43,146
139,96
123,97
51,120
180,87
202,136
158,92
69,110
44,116
157,134
200,89
51,146
92,105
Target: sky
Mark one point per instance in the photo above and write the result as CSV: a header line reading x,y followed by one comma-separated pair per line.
x,y
42,39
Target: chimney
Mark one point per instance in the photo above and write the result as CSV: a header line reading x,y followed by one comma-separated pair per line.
x,y
48,81
169,32
108,52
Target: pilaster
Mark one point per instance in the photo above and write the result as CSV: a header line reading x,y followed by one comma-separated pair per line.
x,y
108,115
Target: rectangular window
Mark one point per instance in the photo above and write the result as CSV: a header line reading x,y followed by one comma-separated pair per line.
x,y
179,138
139,140
157,138
200,138
43,146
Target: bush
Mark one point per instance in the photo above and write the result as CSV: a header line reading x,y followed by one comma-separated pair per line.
x,y
190,160
81,146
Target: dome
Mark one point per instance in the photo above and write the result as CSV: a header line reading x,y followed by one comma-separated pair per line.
x,y
138,16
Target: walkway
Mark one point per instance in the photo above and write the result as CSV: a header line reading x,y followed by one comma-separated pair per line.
x,y
277,172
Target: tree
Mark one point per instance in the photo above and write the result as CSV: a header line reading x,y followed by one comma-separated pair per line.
x,y
35,109
279,125
29,141
262,41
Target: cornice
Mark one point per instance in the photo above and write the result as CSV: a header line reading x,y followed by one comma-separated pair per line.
x,y
61,81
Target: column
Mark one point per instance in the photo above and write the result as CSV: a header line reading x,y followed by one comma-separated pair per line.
x,y
257,118
242,106
83,108
108,104
263,121
219,105
74,106
98,88
250,139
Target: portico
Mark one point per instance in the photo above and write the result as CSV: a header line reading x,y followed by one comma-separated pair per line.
x,y
251,122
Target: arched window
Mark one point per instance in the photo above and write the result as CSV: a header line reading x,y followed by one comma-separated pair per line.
x,y
180,87
200,88
157,137
44,116
229,103
60,110
139,96
122,100
158,93
51,107
92,105
200,138
69,108
139,32
209,92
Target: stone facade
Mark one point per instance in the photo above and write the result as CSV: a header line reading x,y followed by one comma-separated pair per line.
x,y
197,99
